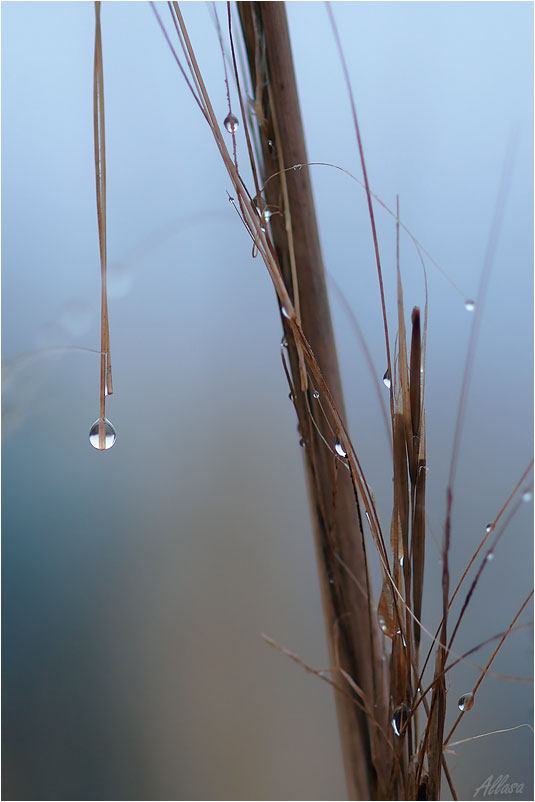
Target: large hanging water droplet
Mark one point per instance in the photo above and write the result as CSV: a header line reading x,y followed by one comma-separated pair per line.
x,y
109,434
387,381
469,305
340,450
231,123
466,702
400,717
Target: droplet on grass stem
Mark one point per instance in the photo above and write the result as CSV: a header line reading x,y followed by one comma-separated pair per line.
x,y
339,448
527,495
109,434
387,381
469,305
466,702
489,528
262,208
399,718
285,312
315,394
231,123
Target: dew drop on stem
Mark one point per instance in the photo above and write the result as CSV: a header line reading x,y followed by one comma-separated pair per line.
x,y
400,717
339,448
109,434
316,394
387,381
527,495
231,123
469,305
262,208
489,528
466,702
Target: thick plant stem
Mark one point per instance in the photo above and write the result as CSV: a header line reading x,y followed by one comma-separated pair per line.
x,y
351,630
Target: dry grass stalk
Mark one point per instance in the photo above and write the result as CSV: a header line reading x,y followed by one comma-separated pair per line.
x,y
336,523
106,385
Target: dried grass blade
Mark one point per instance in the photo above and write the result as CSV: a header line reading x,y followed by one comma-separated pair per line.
x,y
106,384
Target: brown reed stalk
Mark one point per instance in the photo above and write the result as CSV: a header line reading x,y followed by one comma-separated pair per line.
x,y
335,509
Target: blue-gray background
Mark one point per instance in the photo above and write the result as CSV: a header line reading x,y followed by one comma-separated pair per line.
x,y
136,582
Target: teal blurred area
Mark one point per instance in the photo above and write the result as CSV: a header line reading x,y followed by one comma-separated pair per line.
x,y
137,582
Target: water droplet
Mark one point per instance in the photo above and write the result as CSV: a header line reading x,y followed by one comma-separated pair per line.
x,y
284,343
302,443
400,717
387,381
401,560
285,312
385,610
297,166
527,495
469,305
272,149
262,208
489,528
109,434
490,556
316,394
466,702
231,123
340,450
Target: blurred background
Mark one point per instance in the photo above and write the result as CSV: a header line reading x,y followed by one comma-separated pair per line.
x,y
136,582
